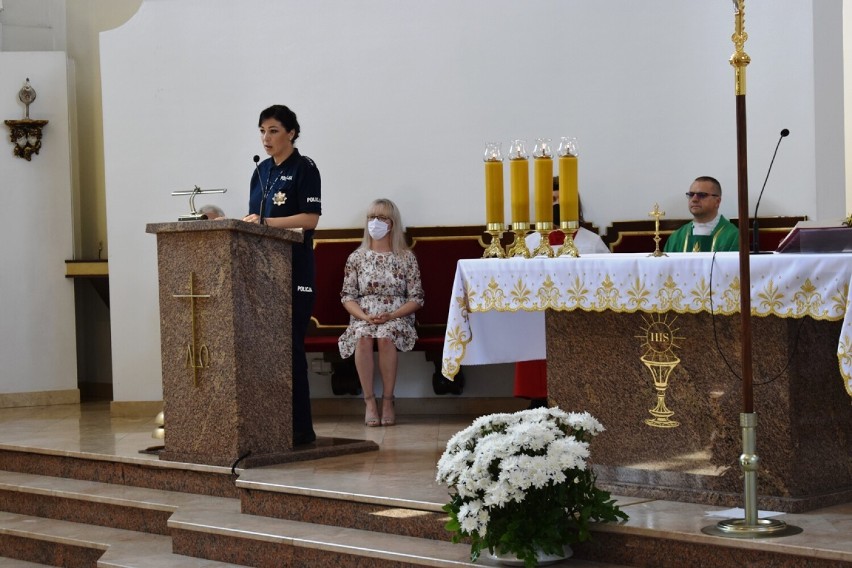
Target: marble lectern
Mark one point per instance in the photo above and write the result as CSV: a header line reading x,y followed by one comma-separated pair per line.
x,y
225,320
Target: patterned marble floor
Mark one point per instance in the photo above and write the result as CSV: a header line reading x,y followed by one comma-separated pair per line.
x,y
403,468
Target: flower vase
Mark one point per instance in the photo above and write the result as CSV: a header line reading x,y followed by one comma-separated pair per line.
x,y
542,559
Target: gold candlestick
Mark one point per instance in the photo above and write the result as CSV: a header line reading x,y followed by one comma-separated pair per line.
x,y
519,244
569,196
568,247
494,248
544,248
493,183
543,191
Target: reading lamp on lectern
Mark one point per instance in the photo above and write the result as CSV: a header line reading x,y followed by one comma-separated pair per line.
x,y
194,215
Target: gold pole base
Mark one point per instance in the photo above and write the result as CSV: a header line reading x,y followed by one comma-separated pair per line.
x,y
764,528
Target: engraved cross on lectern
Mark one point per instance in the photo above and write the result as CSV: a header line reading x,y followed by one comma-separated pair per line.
x,y
196,357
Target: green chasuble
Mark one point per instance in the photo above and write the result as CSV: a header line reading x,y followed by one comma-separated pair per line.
x,y
725,237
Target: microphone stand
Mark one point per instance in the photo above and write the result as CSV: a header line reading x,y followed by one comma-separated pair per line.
x,y
755,246
264,192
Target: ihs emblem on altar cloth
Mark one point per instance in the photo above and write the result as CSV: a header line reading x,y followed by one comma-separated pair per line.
x,y
279,198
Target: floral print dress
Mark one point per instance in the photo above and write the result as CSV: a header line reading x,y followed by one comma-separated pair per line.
x,y
380,282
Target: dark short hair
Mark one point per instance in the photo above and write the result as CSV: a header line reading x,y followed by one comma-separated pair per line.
x,y
712,180
282,114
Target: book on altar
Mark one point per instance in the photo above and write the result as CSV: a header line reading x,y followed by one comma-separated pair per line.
x,y
817,237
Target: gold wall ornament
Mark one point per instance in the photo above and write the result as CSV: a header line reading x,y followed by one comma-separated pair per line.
x,y
659,340
196,357
26,133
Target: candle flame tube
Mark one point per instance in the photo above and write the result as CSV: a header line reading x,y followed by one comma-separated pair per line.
x,y
569,197
543,176
494,192
519,174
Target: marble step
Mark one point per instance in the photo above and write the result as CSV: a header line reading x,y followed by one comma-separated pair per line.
x,y
64,543
6,562
261,541
136,471
55,520
118,506
404,517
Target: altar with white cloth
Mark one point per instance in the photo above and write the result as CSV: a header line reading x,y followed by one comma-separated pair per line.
x,y
608,323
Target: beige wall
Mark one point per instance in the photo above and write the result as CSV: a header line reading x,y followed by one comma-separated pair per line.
x,y
847,97
85,20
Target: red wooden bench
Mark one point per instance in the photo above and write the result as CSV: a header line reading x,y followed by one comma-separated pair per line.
x,y
437,250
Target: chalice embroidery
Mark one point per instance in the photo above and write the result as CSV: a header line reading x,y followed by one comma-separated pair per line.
x,y
279,198
660,339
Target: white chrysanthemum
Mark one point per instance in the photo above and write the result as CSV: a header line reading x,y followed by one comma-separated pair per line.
x,y
535,436
537,472
569,453
451,465
471,518
585,421
488,464
512,471
499,495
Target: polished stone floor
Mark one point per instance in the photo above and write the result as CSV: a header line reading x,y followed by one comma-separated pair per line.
x,y
403,468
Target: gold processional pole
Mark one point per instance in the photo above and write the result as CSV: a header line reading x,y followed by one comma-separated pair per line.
x,y
750,526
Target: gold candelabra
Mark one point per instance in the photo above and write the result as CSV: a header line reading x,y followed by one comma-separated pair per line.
x,y
494,248
568,247
519,244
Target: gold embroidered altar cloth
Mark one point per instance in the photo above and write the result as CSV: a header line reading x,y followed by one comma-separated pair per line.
x,y
496,312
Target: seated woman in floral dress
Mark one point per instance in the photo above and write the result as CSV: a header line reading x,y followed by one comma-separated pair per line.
x,y
381,291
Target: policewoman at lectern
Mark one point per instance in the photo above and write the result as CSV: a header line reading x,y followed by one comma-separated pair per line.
x,y
285,193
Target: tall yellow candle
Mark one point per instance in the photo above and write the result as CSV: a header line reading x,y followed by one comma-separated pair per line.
x,y
493,192
543,184
569,199
519,176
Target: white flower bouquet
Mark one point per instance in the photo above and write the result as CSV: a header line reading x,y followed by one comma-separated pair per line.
x,y
521,484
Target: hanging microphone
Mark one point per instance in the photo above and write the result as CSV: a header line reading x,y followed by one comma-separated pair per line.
x,y
263,187
755,245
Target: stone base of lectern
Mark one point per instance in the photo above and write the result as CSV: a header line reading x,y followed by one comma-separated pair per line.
x,y
321,448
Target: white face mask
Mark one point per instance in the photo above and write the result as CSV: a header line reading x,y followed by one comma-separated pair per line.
x,y
377,229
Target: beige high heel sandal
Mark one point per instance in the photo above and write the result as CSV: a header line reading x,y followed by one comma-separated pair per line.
x,y
388,418
371,419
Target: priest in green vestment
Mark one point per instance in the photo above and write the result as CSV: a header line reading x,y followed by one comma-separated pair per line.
x,y
708,231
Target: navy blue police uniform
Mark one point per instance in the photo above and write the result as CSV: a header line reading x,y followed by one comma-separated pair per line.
x,y
290,188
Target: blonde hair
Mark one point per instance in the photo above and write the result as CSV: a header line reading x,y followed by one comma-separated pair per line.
x,y
386,208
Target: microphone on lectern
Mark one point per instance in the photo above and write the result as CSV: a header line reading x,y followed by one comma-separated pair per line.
x,y
755,245
263,188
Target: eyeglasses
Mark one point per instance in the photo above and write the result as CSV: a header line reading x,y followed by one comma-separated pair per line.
x,y
381,218
700,194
